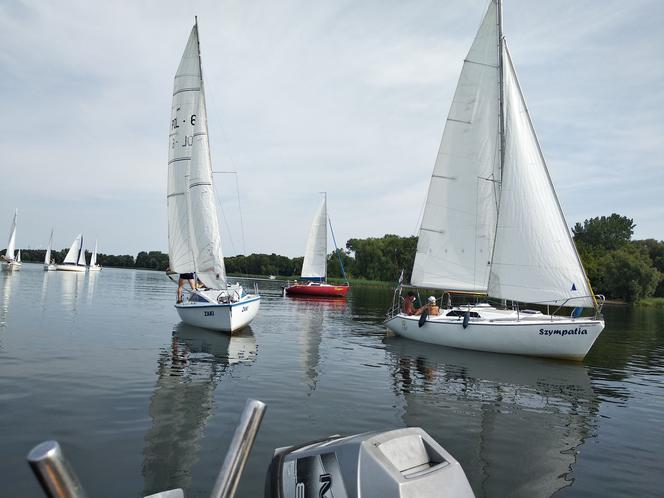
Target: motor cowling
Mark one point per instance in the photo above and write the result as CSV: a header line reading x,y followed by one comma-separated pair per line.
x,y
398,463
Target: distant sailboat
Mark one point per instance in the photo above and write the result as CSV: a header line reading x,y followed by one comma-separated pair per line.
x,y
49,264
10,261
93,260
314,266
493,226
194,239
75,258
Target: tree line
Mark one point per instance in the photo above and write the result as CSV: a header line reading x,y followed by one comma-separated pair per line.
x,y
617,266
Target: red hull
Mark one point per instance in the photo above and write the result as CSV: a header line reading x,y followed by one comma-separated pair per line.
x,y
320,290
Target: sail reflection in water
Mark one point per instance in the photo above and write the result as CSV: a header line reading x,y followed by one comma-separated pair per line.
x,y
482,406
188,373
8,279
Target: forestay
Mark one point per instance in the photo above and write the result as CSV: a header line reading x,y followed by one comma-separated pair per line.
x,y
534,258
314,266
186,91
458,225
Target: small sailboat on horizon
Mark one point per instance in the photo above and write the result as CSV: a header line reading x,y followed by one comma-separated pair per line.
x,y
493,226
49,262
75,258
93,260
12,262
194,238
314,266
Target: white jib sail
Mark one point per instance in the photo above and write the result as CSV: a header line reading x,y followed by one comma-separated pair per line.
x,y
18,256
534,259
74,250
47,256
93,258
186,90
314,266
204,233
81,255
11,244
456,235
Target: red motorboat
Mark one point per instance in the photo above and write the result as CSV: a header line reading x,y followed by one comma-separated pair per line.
x,y
320,289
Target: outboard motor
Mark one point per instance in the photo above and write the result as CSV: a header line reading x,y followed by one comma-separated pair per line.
x,y
398,463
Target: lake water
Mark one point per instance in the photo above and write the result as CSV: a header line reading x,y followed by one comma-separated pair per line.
x,y
141,403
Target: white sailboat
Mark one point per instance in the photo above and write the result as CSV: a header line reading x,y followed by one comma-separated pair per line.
x,y
10,261
93,260
75,258
194,238
314,265
492,224
49,263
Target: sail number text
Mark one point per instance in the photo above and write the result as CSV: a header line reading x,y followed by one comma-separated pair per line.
x,y
188,140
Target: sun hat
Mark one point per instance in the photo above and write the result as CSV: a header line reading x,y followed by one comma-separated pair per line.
x,y
432,299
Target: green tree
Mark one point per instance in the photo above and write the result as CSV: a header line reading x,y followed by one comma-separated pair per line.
x,y
628,274
605,232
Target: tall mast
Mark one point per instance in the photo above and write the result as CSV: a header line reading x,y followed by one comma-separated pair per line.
x,y
501,84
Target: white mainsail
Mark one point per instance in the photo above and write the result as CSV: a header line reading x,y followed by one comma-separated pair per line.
x,y
11,244
205,238
314,266
93,258
18,256
73,255
193,228
47,256
458,225
186,91
534,259
493,224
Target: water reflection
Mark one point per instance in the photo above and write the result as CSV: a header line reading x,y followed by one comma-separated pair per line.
x,y
92,283
482,407
313,313
72,288
188,373
7,282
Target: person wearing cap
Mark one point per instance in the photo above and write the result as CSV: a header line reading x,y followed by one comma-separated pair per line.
x,y
431,307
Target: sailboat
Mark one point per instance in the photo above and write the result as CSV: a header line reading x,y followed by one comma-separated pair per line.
x,y
49,264
493,226
314,266
194,239
93,260
75,258
10,262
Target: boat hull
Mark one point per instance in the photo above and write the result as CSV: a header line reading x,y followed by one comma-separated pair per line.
x,y
10,266
74,268
563,338
222,317
49,267
94,268
317,290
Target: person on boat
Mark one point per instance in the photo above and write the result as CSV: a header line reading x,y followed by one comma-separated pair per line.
x,y
408,303
185,277
431,307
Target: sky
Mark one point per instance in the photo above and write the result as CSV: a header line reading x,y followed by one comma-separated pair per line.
x,y
347,97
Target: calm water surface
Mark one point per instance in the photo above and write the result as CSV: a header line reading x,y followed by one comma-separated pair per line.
x,y
141,402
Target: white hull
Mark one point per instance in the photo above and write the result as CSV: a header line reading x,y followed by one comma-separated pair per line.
x,y
50,267
502,331
94,268
9,266
223,317
76,268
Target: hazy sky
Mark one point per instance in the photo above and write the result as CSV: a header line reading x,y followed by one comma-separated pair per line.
x,y
303,96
